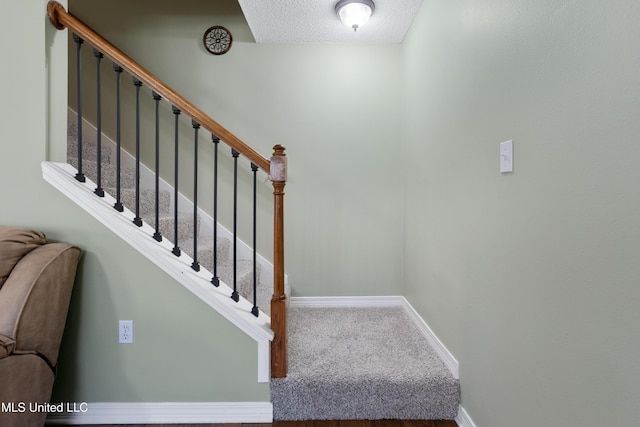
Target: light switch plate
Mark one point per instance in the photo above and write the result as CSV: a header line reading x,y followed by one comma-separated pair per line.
x,y
506,156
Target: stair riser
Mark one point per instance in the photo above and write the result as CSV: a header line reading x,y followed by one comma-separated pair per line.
x,y
147,200
90,170
376,400
244,277
89,152
89,144
205,253
185,226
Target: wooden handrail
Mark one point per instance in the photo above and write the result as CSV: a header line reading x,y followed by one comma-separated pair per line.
x,y
276,167
61,19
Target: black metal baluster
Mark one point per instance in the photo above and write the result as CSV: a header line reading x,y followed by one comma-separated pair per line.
x,y
137,220
255,310
196,127
79,176
157,234
99,190
118,204
234,295
176,249
215,280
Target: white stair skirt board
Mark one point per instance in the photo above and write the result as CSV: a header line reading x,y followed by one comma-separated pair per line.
x,y
164,413
147,181
463,419
385,301
61,176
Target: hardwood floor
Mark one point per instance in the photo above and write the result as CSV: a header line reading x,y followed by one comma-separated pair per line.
x,y
348,423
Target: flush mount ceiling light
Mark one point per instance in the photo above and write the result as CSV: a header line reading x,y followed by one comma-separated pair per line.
x,y
354,13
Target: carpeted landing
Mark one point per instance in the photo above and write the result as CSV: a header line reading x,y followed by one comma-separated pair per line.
x,y
361,363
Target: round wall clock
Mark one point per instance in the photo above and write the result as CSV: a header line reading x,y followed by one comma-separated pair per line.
x,y
217,40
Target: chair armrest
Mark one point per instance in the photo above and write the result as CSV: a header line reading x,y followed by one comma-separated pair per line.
x,y
35,298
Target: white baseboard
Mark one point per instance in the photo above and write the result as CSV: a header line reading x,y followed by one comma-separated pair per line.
x,y
165,413
463,419
372,301
385,301
445,355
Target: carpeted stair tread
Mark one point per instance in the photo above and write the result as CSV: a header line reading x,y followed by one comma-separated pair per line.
x,y
89,148
147,199
205,251
90,169
244,276
265,293
89,152
361,363
185,226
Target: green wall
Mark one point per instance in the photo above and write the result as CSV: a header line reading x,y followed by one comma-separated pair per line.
x,y
530,278
183,351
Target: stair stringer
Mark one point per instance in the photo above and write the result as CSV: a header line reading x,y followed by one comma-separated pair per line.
x,y
62,177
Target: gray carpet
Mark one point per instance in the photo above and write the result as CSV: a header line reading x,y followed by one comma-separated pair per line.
x,y
361,363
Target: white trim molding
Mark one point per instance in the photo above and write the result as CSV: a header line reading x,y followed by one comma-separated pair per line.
x,y
386,301
463,419
164,413
370,301
445,355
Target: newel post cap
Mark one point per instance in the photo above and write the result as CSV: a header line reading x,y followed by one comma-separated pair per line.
x,y
278,164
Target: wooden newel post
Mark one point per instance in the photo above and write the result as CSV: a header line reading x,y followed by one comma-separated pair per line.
x,y
278,175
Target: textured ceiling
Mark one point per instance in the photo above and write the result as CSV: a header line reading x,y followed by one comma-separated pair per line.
x,y
310,21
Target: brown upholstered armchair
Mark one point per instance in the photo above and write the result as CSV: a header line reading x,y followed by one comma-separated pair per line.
x,y
36,278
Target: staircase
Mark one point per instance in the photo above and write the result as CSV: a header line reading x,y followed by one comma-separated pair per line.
x,y
348,362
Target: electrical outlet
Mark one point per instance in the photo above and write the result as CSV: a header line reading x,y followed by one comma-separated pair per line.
x,y
125,332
